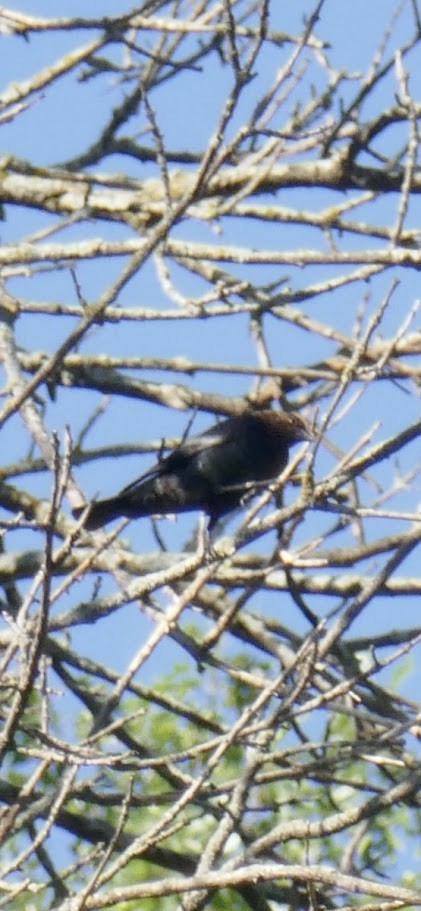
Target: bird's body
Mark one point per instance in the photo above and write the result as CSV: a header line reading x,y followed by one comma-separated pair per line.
x,y
212,471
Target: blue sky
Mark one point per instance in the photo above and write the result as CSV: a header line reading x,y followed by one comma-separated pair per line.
x,y
60,124
64,119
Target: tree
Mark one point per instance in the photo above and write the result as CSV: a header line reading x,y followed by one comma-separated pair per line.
x,y
209,207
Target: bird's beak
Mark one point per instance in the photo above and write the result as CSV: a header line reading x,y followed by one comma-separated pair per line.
x,y
304,433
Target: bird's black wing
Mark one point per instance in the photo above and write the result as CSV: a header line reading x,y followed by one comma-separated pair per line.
x,y
180,457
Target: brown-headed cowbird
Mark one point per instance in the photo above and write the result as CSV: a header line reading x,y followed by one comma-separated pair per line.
x,y
212,471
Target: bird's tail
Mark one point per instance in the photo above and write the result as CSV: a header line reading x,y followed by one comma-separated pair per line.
x,y
100,513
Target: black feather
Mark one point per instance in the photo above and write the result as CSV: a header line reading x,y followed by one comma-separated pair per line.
x,y
212,471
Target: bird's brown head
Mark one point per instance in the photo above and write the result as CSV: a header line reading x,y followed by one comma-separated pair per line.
x,y
300,429
290,425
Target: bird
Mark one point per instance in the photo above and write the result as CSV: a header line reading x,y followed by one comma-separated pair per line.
x,y
213,471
